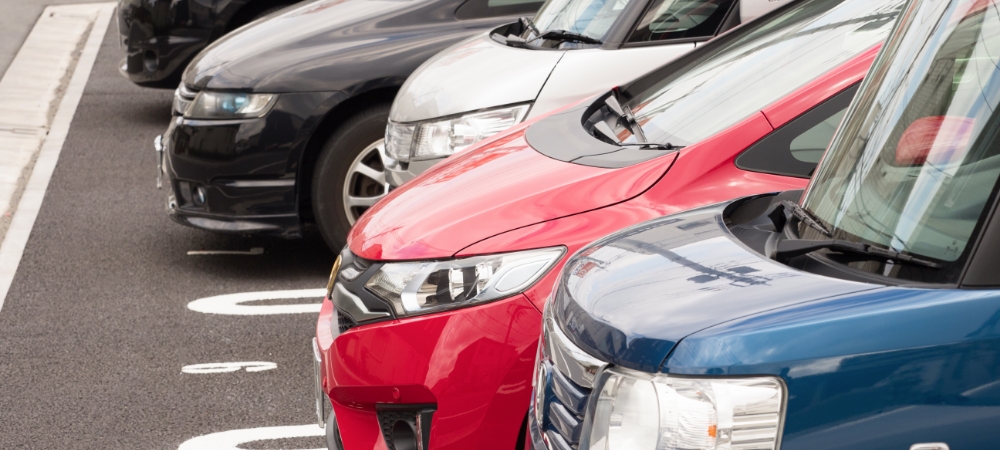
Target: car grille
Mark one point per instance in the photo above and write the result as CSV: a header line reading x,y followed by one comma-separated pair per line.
x,y
183,97
565,379
564,409
344,323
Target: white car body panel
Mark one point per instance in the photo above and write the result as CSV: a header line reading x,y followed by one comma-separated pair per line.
x,y
582,73
475,74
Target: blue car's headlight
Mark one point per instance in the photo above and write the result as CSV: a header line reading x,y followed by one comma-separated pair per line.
x,y
641,411
423,287
229,105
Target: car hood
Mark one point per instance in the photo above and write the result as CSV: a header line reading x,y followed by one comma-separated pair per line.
x,y
293,50
499,186
628,299
454,81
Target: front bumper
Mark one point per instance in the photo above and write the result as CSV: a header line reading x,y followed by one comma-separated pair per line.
x,y
471,367
159,41
403,172
241,176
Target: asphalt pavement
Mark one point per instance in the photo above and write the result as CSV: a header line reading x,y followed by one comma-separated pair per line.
x,y
95,329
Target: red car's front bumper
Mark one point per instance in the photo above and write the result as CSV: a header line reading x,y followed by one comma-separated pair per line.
x,y
472,367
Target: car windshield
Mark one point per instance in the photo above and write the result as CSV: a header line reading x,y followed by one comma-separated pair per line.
x,y
917,158
756,66
590,18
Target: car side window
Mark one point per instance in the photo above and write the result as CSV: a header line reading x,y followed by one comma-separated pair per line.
x,y
796,148
681,19
478,9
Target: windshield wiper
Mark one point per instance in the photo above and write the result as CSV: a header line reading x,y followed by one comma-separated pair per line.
x,y
789,248
566,35
529,24
518,41
805,217
624,114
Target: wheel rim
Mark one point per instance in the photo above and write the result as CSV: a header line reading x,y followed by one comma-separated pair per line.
x,y
365,182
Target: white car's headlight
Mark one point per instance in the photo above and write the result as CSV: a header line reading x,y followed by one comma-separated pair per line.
x,y
229,105
424,287
639,411
440,138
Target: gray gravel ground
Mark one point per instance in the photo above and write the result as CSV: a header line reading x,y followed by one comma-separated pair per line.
x,y
95,329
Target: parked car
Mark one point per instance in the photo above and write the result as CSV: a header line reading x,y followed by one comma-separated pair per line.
x,y
273,120
432,320
160,37
572,50
868,317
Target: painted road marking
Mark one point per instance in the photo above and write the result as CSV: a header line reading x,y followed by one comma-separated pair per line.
x,y
252,366
23,220
253,251
231,440
230,304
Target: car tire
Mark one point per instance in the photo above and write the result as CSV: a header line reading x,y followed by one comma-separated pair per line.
x,y
349,175
333,441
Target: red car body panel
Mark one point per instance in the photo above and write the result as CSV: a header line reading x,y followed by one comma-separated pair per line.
x,y
537,187
476,363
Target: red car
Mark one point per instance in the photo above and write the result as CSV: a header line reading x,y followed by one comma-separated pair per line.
x,y
428,337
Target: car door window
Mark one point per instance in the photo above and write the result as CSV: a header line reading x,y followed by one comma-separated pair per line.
x,y
477,9
796,148
680,19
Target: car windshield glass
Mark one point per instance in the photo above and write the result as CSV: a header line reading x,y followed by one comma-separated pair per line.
x,y
590,18
917,158
756,66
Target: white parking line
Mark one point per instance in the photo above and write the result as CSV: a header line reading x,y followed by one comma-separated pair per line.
x,y
230,304
252,366
26,91
231,440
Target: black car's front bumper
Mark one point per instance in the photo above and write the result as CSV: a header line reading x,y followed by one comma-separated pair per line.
x,y
242,176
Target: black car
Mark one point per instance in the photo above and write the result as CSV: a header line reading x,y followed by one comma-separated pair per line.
x,y
280,124
161,36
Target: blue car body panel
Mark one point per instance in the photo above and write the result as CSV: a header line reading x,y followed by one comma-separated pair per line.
x,y
866,366
878,369
649,286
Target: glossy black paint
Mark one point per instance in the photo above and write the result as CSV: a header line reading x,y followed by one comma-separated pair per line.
x,y
350,46
328,60
161,36
247,167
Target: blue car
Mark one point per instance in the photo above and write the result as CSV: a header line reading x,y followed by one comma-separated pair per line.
x,y
862,313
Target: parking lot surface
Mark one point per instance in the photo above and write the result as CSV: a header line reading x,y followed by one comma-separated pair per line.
x,y
96,332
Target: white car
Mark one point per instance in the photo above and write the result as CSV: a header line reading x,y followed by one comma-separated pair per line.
x,y
573,49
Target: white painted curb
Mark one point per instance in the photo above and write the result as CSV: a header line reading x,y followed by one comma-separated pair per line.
x,y
30,203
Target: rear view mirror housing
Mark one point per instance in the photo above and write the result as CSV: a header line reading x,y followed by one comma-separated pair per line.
x,y
934,139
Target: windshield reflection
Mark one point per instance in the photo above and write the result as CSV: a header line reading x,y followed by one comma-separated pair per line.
x,y
764,64
917,159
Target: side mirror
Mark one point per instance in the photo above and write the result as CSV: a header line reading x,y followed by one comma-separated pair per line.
x,y
752,9
939,139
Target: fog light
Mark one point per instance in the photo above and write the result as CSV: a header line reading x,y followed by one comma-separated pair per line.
x,y
404,437
199,196
150,61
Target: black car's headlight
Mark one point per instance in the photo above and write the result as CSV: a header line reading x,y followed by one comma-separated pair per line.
x,y
230,105
423,287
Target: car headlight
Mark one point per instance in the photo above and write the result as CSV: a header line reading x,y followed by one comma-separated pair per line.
x,y
416,288
639,411
441,138
229,105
